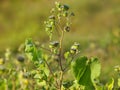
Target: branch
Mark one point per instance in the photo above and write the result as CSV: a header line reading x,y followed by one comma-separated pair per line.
x,y
61,40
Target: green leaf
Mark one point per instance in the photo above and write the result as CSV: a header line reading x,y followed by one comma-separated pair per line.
x,y
95,73
95,69
110,84
79,67
32,52
82,72
67,55
86,71
86,79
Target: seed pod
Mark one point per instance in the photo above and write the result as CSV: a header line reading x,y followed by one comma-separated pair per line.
x,y
117,68
74,48
48,27
65,14
58,6
66,28
77,45
73,51
20,58
59,16
52,23
65,7
52,17
54,44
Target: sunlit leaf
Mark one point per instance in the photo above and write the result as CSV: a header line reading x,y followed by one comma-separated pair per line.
x,y
82,72
110,84
95,68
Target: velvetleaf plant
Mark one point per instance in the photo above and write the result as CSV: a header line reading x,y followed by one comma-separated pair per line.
x,y
53,63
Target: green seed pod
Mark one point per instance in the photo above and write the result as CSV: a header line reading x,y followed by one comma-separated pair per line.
x,y
65,7
66,28
117,68
52,23
59,16
65,14
54,44
20,58
52,17
58,6
49,27
73,51
74,47
77,45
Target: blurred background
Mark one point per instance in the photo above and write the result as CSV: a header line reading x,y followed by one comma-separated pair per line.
x,y
96,26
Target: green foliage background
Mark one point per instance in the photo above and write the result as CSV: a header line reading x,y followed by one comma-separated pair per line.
x,y
96,26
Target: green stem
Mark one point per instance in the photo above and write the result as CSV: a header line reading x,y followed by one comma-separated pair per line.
x,y
61,40
61,79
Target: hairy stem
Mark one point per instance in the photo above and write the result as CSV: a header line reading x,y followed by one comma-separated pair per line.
x,y
60,50
60,60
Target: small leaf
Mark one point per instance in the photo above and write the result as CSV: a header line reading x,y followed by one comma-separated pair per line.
x,y
110,84
79,66
32,52
66,55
